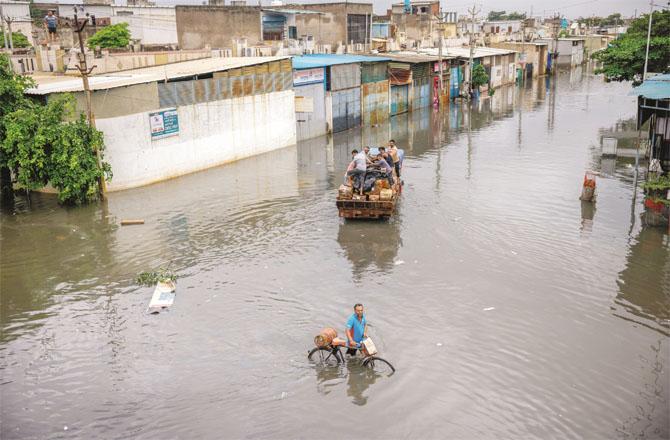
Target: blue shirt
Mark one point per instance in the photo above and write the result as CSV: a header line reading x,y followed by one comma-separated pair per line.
x,y
358,326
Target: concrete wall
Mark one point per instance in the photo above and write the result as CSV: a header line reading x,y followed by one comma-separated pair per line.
x,y
534,53
331,27
217,26
210,134
114,62
151,25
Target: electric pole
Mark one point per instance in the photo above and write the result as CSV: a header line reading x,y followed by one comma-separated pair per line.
x,y
473,12
646,55
440,28
9,20
85,72
556,26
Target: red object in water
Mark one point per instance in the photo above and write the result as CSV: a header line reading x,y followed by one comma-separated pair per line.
x,y
589,179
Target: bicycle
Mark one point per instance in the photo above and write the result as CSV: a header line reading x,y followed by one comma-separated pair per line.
x,y
332,356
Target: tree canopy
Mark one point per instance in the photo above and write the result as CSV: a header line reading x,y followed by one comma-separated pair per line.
x,y
114,36
503,15
623,60
47,143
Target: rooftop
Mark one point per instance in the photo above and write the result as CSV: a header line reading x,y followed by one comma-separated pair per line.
x,y
464,52
656,87
60,84
413,57
325,60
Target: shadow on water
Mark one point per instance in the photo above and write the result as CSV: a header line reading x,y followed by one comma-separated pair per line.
x,y
370,246
38,262
647,270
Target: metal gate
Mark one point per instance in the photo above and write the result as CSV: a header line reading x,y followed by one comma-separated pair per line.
x,y
399,95
421,88
310,111
346,109
375,102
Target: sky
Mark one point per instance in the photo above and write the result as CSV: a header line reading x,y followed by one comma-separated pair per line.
x,y
567,8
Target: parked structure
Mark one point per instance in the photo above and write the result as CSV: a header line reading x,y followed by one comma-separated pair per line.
x,y
532,57
500,64
187,116
570,50
353,89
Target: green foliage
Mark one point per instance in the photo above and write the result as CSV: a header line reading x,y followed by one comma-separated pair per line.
x,y
661,183
163,274
623,60
18,40
479,76
40,147
503,15
12,97
610,20
114,36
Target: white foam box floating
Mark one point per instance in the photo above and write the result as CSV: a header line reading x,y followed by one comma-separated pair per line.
x,y
369,347
163,296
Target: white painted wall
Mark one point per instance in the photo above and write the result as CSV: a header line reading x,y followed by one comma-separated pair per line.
x,y
210,134
150,24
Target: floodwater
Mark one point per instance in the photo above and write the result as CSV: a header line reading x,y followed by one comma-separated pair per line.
x,y
509,308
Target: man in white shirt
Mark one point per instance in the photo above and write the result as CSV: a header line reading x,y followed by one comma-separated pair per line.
x,y
357,168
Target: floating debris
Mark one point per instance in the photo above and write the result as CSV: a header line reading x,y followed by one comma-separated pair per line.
x,y
163,274
128,222
489,308
398,262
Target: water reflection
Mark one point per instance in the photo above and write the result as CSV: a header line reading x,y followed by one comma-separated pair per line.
x,y
644,285
370,246
359,380
588,213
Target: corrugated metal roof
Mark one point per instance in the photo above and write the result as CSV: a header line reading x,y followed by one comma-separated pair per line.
x,y
464,52
325,60
60,84
657,87
414,57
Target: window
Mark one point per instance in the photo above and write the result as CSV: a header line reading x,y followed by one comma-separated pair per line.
x,y
293,32
356,28
273,27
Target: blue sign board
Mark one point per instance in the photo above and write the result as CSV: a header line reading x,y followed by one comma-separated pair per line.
x,y
164,123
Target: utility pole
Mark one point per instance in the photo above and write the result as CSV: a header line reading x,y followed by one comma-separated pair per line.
x,y
646,55
85,72
473,12
8,20
556,26
2,23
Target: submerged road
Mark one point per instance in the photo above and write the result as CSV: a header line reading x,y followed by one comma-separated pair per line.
x,y
509,308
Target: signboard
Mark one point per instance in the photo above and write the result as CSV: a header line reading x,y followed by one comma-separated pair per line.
x,y
164,123
304,104
308,76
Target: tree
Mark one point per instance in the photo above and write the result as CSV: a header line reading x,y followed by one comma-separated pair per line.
x,y
516,16
612,19
12,88
18,40
47,143
479,76
114,36
623,60
496,15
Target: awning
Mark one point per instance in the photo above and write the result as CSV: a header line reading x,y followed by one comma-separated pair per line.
x,y
400,74
657,87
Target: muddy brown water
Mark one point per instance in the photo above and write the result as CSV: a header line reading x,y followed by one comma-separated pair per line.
x,y
509,308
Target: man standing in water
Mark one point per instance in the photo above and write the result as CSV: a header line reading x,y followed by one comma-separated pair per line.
x,y
357,329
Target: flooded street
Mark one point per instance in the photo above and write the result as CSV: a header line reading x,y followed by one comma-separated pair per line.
x,y
509,308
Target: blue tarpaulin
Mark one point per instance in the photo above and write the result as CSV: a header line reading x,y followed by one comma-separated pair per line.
x,y
657,87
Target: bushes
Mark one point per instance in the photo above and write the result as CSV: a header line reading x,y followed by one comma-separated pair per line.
x,y
114,36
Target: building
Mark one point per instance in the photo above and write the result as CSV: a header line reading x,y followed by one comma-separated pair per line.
x,y
503,27
570,51
188,116
424,7
595,43
500,64
354,89
423,86
653,105
151,25
532,56
18,15
321,28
